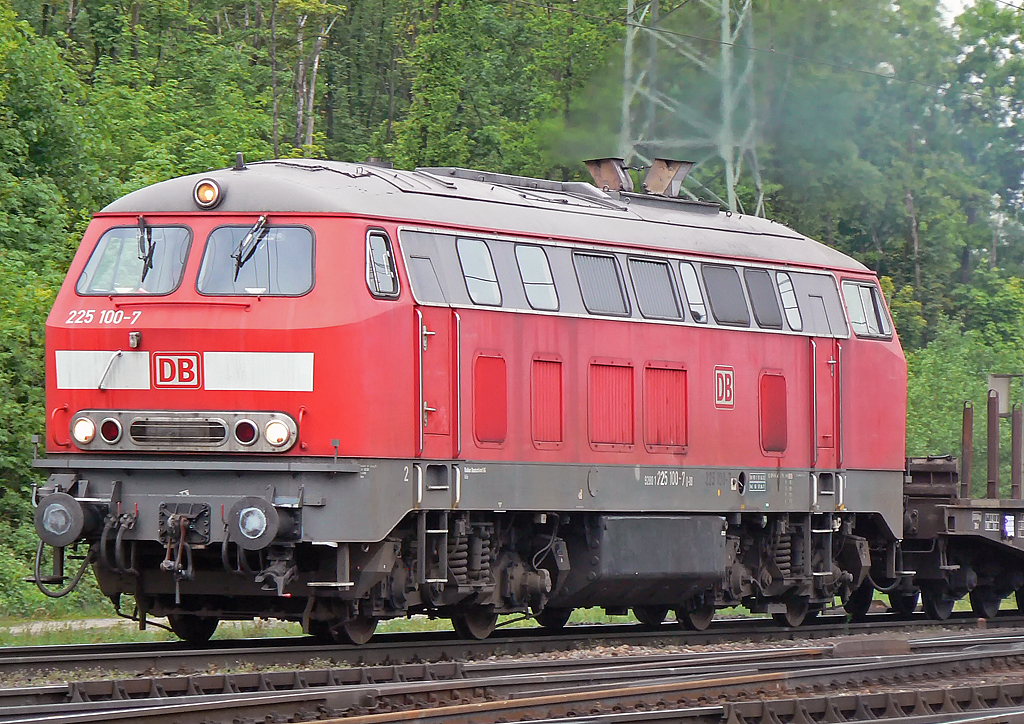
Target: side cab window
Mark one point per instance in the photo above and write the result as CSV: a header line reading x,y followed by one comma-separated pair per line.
x,y
381,277
864,304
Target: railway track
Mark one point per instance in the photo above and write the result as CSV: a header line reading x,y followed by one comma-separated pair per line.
x,y
759,685
176,657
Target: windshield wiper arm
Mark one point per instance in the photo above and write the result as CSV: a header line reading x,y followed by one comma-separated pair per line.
x,y
146,247
247,246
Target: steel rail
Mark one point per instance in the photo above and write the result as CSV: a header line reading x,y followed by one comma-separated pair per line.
x,y
442,645
657,693
526,690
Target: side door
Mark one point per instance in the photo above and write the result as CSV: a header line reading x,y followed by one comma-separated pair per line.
x,y
436,373
826,385
826,369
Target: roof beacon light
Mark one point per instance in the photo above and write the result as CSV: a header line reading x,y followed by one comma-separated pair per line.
x,y
207,193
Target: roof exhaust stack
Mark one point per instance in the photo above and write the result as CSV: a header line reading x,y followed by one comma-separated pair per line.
x,y
665,177
610,174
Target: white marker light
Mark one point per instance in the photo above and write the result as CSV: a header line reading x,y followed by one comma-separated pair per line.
x,y
84,430
277,433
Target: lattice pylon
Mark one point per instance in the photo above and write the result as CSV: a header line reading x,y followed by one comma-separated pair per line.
x,y
731,135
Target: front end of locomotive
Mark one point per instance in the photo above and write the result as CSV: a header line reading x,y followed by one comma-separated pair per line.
x,y
192,442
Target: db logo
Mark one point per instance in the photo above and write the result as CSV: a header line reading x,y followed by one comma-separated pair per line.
x,y
725,388
177,369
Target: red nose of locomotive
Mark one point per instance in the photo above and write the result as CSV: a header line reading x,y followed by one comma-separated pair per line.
x,y
159,342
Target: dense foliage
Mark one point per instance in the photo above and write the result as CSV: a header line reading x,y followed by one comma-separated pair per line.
x,y
886,130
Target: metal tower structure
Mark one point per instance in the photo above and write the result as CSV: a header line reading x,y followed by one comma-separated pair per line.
x,y
657,122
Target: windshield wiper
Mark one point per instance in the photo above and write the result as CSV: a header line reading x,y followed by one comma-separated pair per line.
x,y
247,246
146,247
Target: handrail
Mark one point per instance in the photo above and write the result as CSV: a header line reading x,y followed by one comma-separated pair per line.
x,y
422,403
814,404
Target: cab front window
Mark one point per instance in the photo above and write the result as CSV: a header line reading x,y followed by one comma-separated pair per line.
x,y
139,259
260,261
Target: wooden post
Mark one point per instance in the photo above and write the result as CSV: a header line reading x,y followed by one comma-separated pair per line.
x,y
993,444
967,451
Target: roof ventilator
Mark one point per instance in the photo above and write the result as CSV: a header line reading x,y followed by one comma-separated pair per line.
x,y
610,174
665,176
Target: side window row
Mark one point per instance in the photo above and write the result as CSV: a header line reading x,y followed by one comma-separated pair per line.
x,y
604,291
662,289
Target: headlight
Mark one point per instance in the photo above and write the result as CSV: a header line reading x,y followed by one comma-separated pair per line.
x,y
83,430
277,433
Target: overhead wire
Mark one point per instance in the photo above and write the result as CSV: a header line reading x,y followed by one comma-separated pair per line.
x,y
773,52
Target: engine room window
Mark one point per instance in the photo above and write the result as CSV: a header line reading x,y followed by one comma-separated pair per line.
x,y
136,260
257,261
490,399
789,303
691,289
762,298
601,284
381,276
774,424
726,295
535,272
655,294
478,270
866,309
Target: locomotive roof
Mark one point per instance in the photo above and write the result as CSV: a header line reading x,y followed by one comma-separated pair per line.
x,y
480,200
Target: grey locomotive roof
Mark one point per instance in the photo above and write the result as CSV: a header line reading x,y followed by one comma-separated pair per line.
x,y
455,196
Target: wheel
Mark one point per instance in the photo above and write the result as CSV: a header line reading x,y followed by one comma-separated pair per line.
x,y
797,610
859,602
697,619
985,602
356,630
938,605
477,622
193,629
904,603
650,615
553,619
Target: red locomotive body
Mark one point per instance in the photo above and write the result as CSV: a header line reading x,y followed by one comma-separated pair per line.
x,y
339,393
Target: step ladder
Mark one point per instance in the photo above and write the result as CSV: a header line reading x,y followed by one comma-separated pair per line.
x,y
432,546
821,539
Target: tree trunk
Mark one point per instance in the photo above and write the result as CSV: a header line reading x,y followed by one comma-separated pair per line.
x,y
318,47
273,72
300,81
915,240
965,254
134,29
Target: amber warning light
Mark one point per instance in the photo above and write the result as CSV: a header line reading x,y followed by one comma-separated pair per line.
x,y
206,193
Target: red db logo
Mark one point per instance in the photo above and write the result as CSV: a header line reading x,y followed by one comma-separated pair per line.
x,y
177,369
725,388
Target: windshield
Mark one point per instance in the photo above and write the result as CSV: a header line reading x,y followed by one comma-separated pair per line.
x,y
120,264
279,264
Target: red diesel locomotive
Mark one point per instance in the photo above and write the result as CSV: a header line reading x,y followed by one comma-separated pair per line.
x,y
340,393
